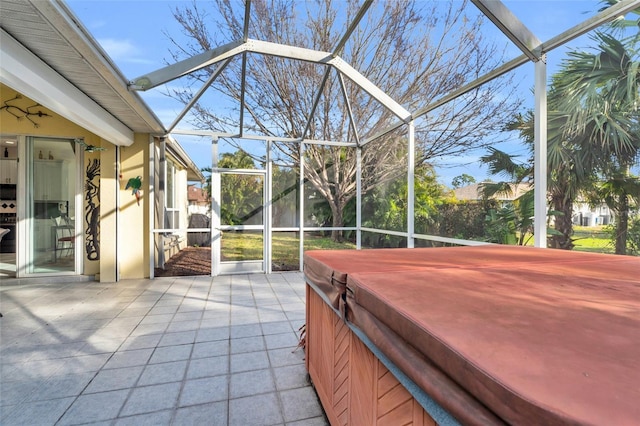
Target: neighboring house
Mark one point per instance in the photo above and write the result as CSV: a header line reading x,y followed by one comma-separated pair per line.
x,y
84,189
586,215
198,201
583,213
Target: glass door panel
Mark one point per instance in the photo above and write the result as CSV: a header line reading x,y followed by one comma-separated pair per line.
x,y
50,206
242,199
242,244
239,246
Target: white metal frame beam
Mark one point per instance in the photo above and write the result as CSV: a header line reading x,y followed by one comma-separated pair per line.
x,y
247,19
223,135
199,94
302,54
243,78
540,156
411,167
511,26
182,68
609,14
354,128
354,24
242,92
187,66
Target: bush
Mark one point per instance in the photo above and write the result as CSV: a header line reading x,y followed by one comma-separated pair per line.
x,y
462,219
633,237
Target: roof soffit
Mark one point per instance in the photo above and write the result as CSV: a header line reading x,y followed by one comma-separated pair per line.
x,y
51,31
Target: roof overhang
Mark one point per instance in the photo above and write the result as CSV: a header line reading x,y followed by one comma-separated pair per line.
x,y
26,73
178,153
48,55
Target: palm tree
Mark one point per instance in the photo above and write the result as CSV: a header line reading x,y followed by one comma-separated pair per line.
x,y
621,192
592,127
600,93
565,177
517,218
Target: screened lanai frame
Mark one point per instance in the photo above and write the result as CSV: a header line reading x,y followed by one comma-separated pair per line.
x,y
532,48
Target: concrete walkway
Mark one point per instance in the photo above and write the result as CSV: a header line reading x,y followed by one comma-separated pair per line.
x,y
182,350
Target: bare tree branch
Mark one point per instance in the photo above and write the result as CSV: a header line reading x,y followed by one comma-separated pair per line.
x,y
414,51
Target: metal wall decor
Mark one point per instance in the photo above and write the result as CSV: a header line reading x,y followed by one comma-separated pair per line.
x,y
23,112
92,210
87,147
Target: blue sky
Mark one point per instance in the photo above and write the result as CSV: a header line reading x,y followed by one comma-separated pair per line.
x,y
132,34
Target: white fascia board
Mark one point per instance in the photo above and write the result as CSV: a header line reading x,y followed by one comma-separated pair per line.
x,y
176,149
302,54
187,66
23,71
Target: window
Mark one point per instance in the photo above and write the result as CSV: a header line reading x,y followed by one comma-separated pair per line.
x,y
171,205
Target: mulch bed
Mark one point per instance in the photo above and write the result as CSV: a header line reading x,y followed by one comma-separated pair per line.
x,y
197,261
189,261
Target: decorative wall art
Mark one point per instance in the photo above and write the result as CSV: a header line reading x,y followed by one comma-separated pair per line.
x,y
92,210
20,112
136,187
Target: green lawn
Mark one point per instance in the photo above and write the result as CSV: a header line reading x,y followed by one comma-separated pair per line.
x,y
593,239
285,252
247,245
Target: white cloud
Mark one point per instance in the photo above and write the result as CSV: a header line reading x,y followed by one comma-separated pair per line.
x,y
123,50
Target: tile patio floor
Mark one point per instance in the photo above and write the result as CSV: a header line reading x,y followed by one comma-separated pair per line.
x,y
181,350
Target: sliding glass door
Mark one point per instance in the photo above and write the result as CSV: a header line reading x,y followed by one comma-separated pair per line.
x,y
51,223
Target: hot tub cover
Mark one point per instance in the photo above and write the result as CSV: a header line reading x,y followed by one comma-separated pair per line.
x,y
550,339
328,269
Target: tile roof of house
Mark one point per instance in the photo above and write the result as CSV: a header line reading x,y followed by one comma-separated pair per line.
x,y
474,192
196,194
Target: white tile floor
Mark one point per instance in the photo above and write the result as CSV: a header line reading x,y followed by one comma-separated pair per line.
x,y
182,351
7,265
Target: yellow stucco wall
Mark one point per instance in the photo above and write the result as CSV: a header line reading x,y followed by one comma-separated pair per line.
x,y
133,220
108,217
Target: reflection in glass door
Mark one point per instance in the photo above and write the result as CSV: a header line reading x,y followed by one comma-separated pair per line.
x,y
50,202
242,245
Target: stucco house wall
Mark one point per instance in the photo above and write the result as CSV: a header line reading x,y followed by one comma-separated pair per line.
x,y
83,96
125,225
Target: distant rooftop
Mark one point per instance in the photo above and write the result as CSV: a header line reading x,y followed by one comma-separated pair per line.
x,y
196,194
474,192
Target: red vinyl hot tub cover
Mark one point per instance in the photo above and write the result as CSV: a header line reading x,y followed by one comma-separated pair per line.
x,y
537,336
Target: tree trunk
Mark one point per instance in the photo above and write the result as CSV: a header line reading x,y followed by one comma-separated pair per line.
x,y
622,225
338,221
562,224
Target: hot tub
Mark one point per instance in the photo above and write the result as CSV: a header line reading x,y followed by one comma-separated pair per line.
x,y
475,335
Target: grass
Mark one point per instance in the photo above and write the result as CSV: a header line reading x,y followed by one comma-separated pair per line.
x,y
588,238
247,246
594,239
238,246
